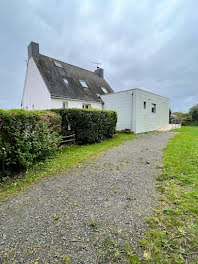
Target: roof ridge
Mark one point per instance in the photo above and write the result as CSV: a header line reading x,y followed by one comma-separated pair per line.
x,y
69,64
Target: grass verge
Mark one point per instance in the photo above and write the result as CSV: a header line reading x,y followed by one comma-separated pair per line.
x,y
172,236
62,161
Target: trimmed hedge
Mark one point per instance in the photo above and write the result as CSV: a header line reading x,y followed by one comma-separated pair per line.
x,y
28,136
89,125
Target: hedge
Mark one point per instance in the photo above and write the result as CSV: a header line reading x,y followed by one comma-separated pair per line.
x,y
28,136
89,125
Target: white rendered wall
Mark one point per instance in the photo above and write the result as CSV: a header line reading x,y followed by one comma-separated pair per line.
x,y
129,106
145,119
58,103
124,104
35,91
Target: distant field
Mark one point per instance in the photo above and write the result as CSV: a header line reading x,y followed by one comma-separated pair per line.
x,y
173,230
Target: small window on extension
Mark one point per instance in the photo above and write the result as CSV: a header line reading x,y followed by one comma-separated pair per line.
x,y
65,104
83,83
104,90
86,106
58,64
153,109
144,105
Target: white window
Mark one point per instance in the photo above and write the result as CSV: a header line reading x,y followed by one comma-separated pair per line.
x,y
144,105
86,106
83,83
65,81
104,90
65,104
153,109
58,64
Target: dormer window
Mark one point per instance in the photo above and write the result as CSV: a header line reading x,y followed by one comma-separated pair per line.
x,y
65,81
58,64
83,83
104,90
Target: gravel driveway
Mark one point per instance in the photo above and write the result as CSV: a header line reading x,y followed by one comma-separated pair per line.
x,y
55,218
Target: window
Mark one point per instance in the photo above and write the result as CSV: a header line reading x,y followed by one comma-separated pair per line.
x,y
86,106
65,81
144,105
33,107
83,83
153,109
26,108
104,90
65,104
58,64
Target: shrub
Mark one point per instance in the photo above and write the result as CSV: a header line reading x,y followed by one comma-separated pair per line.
x,y
28,136
186,119
194,112
88,125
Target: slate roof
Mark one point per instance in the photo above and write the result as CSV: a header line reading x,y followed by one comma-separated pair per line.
x,y
54,77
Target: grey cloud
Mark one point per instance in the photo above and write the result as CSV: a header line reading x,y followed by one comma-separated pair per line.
x,y
148,44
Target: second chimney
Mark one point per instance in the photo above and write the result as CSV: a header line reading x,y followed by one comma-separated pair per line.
x,y
99,72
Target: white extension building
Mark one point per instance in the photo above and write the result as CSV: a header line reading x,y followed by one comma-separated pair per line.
x,y
50,83
138,110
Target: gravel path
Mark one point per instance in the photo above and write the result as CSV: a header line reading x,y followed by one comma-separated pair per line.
x,y
51,220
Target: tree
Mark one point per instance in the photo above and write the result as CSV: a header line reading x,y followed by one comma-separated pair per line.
x,y
194,112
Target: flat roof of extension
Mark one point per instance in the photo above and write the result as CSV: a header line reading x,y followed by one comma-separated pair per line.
x,y
133,90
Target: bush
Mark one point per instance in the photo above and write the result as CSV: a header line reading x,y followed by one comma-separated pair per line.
x,y
194,112
89,126
28,136
186,119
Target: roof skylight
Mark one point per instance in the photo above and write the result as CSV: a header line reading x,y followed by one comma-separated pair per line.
x,y
58,64
65,81
104,90
83,83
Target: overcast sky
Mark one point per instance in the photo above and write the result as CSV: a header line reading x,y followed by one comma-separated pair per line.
x,y
148,44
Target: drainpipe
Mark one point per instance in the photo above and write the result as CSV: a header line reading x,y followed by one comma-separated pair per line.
x,y
131,111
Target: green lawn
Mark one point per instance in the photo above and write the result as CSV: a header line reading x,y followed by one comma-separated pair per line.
x,y
173,230
62,161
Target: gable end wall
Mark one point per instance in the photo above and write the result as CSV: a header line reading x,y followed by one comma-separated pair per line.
x,y
35,90
145,119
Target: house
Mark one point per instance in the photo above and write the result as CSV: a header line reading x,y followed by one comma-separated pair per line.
x,y
138,110
51,83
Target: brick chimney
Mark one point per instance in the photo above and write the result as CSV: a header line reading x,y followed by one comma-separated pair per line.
x,y
33,50
99,72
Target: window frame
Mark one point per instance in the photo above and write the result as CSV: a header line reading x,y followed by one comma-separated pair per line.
x,y
84,106
153,108
64,104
